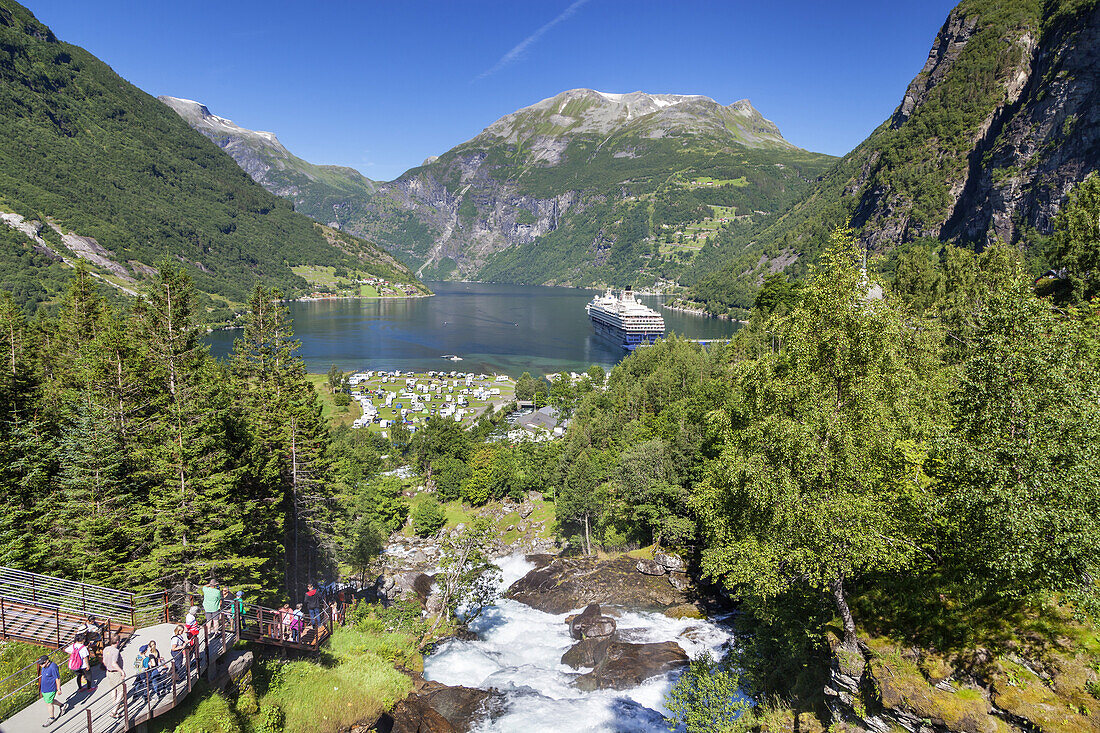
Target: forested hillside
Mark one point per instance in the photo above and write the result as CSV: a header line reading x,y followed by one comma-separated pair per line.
x,y
87,154
988,139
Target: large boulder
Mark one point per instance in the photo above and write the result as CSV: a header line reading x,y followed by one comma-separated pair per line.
x,y
671,563
433,707
625,665
586,653
564,584
650,567
591,624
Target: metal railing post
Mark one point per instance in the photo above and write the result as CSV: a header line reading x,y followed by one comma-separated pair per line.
x,y
34,598
173,683
126,704
88,711
83,603
187,666
57,620
167,618
3,619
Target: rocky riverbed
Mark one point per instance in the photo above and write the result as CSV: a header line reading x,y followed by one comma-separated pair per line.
x,y
556,663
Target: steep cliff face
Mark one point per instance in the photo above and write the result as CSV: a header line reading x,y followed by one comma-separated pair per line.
x,y
1049,141
987,141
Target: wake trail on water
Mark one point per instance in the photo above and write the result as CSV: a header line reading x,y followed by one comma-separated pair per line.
x,y
519,649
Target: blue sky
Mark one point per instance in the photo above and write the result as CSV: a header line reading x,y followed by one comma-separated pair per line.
x,y
380,86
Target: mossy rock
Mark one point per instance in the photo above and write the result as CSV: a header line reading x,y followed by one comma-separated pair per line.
x,y
902,686
1019,692
684,610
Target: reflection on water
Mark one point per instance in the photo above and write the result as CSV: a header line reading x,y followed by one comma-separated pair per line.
x,y
494,328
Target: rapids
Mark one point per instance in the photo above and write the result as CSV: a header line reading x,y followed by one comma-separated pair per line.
x,y
519,653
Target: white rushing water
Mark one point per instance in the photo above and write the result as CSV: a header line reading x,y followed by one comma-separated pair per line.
x,y
519,653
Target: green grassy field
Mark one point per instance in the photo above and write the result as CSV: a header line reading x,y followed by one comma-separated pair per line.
x,y
329,410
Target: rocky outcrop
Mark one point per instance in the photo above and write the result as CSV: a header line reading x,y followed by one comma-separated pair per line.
x,y
437,708
623,665
565,583
591,624
882,687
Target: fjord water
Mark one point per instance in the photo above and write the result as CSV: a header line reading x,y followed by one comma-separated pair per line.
x,y
519,650
506,329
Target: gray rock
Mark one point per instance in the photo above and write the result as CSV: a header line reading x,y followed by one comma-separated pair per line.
x,y
591,624
679,581
650,567
669,562
626,665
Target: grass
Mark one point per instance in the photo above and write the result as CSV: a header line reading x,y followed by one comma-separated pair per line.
x,y
357,677
356,681
330,411
457,513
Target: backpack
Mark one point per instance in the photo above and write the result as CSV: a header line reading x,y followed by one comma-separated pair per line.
x,y
76,661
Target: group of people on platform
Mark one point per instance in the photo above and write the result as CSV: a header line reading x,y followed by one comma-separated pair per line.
x,y
222,610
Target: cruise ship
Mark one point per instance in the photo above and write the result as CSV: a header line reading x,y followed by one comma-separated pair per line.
x,y
624,320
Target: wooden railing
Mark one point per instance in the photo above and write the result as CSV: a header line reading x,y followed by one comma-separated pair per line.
x,y
278,628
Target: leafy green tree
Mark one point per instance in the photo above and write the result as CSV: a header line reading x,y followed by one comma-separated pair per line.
x,y
918,279
582,496
364,545
1075,245
597,374
468,580
526,386
335,379
706,699
478,486
1019,469
381,501
818,481
448,474
428,518
440,438
776,293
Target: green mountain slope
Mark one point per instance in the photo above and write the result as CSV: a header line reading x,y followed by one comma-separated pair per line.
x,y
122,182
581,188
990,136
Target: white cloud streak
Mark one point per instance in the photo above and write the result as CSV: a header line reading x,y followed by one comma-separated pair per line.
x,y
519,49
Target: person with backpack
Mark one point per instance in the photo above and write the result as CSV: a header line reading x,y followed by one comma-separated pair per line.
x,y
240,609
49,682
78,662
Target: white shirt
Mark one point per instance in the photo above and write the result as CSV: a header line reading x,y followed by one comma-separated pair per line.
x,y
83,652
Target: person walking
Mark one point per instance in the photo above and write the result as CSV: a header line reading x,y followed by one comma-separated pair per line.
x,y
239,609
116,673
212,604
178,644
313,606
78,662
49,682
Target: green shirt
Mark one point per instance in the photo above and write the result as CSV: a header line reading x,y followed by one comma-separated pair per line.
x,y
211,599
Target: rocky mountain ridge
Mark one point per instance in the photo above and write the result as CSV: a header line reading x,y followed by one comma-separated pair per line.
x,y
551,193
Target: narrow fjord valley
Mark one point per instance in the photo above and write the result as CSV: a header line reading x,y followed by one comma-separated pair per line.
x,y
871,505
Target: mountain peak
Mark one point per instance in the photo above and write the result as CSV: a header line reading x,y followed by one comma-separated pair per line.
x,y
199,116
579,111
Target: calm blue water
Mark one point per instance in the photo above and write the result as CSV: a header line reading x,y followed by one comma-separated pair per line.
x,y
506,329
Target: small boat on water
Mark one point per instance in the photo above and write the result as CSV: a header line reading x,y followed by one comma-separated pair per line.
x,y
452,357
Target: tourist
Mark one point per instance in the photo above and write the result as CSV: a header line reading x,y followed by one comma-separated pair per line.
x,y
287,616
92,635
191,619
212,604
153,660
178,645
78,662
116,673
299,622
49,681
313,605
239,609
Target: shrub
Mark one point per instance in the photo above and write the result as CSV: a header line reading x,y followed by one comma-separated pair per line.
x,y
428,518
